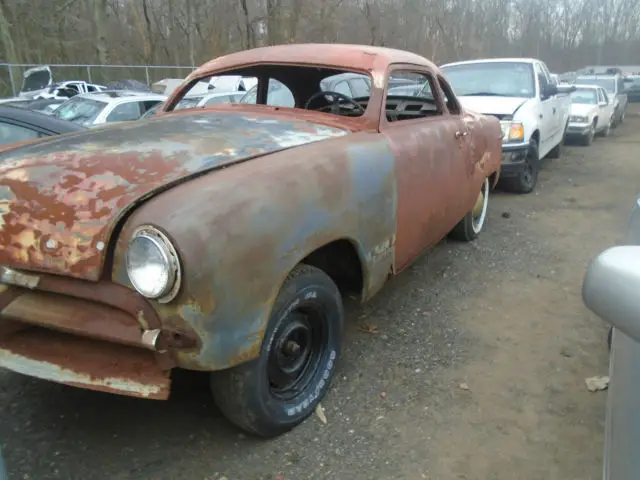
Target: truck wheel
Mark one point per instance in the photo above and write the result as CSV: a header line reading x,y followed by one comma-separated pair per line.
x,y
275,392
588,138
527,179
616,119
471,225
622,116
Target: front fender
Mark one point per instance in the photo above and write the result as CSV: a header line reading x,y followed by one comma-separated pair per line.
x,y
241,230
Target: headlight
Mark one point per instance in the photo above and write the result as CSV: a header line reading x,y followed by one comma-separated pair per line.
x,y
578,119
512,132
152,264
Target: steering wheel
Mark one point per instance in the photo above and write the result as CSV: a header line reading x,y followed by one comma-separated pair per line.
x,y
335,106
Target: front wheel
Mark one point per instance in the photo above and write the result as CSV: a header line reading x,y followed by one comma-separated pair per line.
x,y
587,139
471,225
527,178
277,391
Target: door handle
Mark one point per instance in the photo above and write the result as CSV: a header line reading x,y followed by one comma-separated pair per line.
x,y
461,134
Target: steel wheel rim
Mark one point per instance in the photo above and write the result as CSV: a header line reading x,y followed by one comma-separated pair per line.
x,y
297,352
477,222
527,174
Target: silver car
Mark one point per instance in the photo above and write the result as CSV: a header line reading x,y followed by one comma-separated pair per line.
x,y
611,290
107,107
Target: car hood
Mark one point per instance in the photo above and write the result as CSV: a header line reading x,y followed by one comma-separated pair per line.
x,y
583,109
60,198
492,105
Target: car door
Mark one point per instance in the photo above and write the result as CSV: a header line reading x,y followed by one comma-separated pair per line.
x,y
548,114
430,149
126,111
606,111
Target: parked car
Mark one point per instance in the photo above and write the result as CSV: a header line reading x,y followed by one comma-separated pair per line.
x,y
3,470
38,83
222,239
19,124
204,99
610,290
632,84
68,89
616,90
107,107
533,111
591,113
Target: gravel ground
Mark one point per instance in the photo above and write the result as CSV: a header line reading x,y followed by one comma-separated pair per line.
x,y
476,370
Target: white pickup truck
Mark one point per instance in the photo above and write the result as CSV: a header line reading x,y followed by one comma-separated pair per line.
x,y
532,108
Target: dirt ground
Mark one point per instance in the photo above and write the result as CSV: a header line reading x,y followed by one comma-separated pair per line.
x,y
476,370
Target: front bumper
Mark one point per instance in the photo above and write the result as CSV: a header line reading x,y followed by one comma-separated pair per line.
x,y
93,335
578,129
513,160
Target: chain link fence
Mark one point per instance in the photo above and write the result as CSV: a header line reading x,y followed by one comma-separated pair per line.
x,y
11,74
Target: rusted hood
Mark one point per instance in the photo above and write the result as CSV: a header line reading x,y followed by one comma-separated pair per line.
x,y
61,198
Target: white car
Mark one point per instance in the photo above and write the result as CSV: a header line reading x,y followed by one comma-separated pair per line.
x,y
591,113
106,107
200,100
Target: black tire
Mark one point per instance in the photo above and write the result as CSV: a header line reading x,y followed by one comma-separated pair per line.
x,y
616,119
527,179
468,229
247,394
588,138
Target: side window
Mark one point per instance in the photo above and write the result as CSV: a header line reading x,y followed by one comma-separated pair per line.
x,y
91,88
600,97
423,104
449,98
542,80
343,88
10,133
125,112
360,87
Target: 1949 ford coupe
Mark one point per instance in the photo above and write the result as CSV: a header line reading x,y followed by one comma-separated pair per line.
x,y
222,238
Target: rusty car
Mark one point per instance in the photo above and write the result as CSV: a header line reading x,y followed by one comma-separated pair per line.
x,y
223,239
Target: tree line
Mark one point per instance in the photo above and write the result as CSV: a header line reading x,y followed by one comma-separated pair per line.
x,y
567,34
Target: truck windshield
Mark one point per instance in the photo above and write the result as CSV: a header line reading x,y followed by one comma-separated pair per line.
x,y
493,79
609,84
584,96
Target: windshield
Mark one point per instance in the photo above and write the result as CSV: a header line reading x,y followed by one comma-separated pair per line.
x,y
609,84
80,110
585,96
499,79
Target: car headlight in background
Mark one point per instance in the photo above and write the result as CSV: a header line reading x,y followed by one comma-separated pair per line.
x,y
153,265
512,132
578,119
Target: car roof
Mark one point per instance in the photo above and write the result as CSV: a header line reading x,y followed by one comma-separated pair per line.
x,y
331,55
492,60
38,119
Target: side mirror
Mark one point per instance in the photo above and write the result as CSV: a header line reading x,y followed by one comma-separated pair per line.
x,y
549,90
610,288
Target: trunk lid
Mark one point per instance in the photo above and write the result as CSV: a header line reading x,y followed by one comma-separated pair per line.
x,y
60,198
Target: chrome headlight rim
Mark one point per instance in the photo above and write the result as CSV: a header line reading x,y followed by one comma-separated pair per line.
x,y
164,244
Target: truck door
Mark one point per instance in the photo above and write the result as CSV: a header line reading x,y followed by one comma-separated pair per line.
x,y
548,114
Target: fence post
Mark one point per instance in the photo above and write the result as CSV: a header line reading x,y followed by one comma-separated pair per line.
x,y
146,73
89,74
13,85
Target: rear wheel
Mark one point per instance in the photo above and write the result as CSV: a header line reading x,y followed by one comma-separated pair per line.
x,y
471,225
277,391
527,178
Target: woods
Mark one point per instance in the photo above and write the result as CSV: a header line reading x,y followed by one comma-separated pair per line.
x,y
567,34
